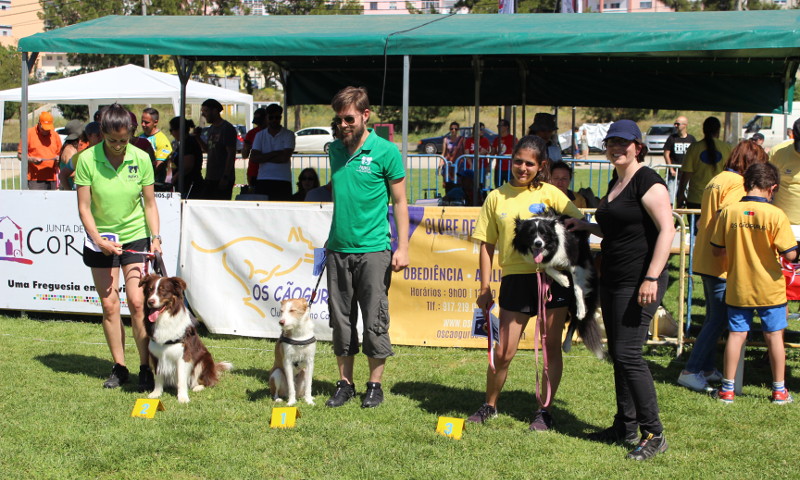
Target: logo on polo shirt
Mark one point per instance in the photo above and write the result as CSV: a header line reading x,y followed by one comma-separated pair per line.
x,y
749,213
365,165
133,168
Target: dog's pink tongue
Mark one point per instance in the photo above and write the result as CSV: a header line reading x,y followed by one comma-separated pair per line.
x,y
154,315
538,256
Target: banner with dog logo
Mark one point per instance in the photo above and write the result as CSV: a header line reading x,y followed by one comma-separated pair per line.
x,y
41,246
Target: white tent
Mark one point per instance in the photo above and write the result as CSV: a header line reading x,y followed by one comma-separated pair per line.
x,y
127,84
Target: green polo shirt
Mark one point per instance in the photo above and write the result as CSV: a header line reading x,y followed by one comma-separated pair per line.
x,y
361,195
117,205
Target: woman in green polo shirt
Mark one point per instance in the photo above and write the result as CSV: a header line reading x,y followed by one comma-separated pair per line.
x,y
112,178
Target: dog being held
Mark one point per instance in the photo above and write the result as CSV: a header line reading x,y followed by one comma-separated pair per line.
x,y
178,355
544,240
294,354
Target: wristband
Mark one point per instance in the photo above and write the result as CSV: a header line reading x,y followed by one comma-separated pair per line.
x,y
155,237
651,279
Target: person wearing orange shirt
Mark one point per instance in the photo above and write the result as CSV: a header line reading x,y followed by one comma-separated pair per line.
x,y
44,148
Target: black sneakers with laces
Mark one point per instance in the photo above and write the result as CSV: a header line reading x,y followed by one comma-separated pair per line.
x,y
484,413
146,381
374,395
119,375
614,435
542,422
344,392
649,446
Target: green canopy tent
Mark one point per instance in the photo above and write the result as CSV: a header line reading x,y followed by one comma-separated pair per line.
x,y
721,61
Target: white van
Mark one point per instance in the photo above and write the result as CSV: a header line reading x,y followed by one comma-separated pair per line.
x,y
771,125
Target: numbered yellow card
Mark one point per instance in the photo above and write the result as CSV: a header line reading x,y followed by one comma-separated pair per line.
x,y
450,427
284,417
147,407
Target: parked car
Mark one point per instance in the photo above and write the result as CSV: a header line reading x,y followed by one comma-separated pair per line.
x,y
657,135
433,145
313,140
62,133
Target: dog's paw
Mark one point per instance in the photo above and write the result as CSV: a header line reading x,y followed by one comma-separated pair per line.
x,y
291,402
154,394
183,398
309,400
580,311
198,388
277,400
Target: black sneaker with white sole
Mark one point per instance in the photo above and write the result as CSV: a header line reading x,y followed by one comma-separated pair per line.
x,y
344,392
374,395
649,446
614,435
119,375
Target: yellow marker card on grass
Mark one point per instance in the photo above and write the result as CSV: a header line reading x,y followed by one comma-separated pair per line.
x,y
147,407
450,427
284,417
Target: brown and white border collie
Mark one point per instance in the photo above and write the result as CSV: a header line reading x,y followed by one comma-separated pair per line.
x,y
293,368
178,355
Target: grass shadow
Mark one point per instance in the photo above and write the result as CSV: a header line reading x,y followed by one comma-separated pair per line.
x,y
318,387
85,365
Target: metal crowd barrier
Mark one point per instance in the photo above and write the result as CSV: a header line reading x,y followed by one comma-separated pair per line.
x,y
10,172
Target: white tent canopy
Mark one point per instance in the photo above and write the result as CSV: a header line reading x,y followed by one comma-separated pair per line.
x,y
127,84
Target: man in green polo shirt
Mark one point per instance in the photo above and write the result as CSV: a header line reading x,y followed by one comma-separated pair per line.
x,y
366,172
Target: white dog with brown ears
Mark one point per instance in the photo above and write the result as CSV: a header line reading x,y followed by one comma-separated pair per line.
x,y
294,354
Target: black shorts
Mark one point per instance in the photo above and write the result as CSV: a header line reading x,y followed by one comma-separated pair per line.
x,y
520,293
99,260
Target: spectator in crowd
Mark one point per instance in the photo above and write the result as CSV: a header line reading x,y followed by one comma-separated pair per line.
x,y
758,139
307,180
272,150
68,150
90,137
260,122
704,160
722,190
635,221
503,144
544,126
675,151
139,142
786,156
160,143
524,196
118,226
583,141
192,160
360,260
322,194
44,148
453,148
561,177
752,234
220,146
483,167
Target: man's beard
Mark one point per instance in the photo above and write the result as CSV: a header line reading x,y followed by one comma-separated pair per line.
x,y
354,138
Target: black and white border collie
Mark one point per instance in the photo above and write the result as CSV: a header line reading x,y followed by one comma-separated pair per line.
x,y
544,240
177,354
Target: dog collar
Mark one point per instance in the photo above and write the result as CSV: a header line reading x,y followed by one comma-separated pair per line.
x,y
188,334
292,341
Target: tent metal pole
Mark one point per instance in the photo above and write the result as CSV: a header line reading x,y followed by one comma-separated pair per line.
x,y
184,67
476,133
406,90
523,74
27,62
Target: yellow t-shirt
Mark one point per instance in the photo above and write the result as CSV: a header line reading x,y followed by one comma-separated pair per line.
x,y
703,168
753,233
722,190
787,198
503,205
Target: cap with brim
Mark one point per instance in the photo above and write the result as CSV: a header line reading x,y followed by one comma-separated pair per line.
x,y
626,129
46,121
757,136
543,122
74,129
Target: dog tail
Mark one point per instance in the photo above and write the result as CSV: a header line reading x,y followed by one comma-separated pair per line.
x,y
223,367
590,333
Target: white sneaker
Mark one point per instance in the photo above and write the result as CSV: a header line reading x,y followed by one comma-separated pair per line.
x,y
694,381
714,377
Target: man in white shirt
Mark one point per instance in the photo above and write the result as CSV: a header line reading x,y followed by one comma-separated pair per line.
x,y
272,150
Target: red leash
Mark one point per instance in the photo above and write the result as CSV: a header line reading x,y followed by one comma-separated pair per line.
x,y
540,332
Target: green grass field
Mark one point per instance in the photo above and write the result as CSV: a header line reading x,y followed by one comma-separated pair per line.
x,y
60,423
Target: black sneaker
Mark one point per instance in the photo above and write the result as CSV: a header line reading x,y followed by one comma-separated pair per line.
x,y
146,381
543,421
344,392
614,435
119,375
374,396
484,413
649,446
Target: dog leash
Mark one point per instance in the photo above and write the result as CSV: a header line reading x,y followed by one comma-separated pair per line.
x,y
540,335
490,335
154,258
314,292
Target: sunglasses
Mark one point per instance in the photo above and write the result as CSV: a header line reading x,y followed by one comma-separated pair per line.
x,y
310,179
453,129
679,124
348,119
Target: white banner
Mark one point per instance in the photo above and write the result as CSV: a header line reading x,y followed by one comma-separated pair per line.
x,y
240,259
41,246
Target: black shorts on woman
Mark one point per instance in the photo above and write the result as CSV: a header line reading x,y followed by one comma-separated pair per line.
x,y
100,260
520,293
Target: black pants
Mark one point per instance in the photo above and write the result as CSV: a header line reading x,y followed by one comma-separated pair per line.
x,y
276,190
627,326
